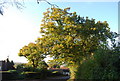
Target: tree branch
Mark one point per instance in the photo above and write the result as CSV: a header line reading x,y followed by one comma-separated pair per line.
x,y
53,5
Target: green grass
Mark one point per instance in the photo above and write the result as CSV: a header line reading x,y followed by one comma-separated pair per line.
x,y
4,71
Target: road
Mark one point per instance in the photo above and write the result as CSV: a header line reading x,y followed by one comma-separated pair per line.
x,y
58,78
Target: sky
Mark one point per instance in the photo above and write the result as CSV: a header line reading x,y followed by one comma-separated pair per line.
x,y
20,27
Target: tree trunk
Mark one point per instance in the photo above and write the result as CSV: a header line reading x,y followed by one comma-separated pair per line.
x,y
33,63
73,70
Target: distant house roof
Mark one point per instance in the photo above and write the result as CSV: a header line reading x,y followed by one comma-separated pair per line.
x,y
6,65
61,68
64,67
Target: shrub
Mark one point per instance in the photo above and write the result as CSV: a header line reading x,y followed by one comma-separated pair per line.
x,y
25,72
101,66
39,74
32,75
9,75
13,71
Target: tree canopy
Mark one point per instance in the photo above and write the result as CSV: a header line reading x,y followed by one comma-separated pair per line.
x,y
32,53
69,38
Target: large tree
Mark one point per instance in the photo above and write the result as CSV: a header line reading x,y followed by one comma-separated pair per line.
x,y
32,53
69,38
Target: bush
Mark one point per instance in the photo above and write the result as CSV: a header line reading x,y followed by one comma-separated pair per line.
x,y
32,75
13,71
9,75
101,66
45,73
25,72
39,74
56,73
25,68
28,72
